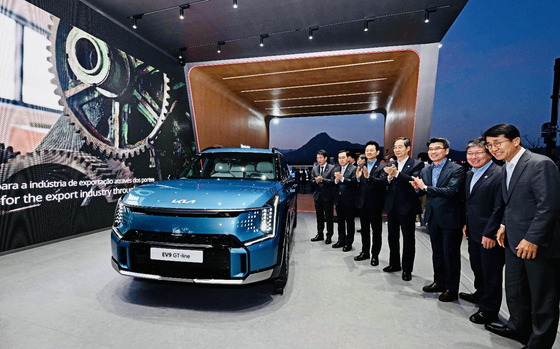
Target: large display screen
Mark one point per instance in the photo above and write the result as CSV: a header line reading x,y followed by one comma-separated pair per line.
x,y
81,123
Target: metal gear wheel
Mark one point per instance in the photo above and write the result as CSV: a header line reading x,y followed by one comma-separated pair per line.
x,y
116,102
60,162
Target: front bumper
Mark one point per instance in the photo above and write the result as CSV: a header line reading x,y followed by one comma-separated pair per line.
x,y
252,278
225,259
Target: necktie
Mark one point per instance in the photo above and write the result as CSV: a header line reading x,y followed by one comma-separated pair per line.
x,y
509,172
322,169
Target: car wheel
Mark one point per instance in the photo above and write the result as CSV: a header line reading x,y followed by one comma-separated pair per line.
x,y
294,225
282,279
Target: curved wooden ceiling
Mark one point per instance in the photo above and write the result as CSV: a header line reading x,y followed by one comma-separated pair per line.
x,y
340,84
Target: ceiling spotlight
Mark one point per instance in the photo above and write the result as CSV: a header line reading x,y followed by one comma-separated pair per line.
x,y
427,16
311,30
220,43
234,3
181,50
264,36
366,23
373,116
275,121
134,19
182,9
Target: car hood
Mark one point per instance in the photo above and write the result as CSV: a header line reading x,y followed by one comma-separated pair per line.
x,y
203,194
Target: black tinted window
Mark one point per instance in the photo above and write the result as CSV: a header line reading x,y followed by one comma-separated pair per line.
x,y
232,166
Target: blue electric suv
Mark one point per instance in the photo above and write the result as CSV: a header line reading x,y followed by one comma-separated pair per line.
x,y
228,219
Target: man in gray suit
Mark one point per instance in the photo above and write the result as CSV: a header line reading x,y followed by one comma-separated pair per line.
x,y
443,184
322,186
530,233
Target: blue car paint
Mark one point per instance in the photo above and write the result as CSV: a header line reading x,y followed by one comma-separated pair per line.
x,y
211,195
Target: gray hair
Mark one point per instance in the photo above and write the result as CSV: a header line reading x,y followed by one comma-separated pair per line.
x,y
477,142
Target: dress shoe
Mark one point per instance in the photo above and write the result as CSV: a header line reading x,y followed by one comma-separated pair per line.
x,y
433,287
361,257
347,248
318,237
391,269
374,261
469,297
406,276
483,317
448,296
338,244
502,330
328,240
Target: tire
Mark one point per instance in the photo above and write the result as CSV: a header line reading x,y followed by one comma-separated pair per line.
x,y
294,225
280,282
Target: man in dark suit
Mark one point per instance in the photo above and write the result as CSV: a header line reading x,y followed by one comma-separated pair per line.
x,y
322,183
371,196
530,233
443,184
402,205
484,212
345,190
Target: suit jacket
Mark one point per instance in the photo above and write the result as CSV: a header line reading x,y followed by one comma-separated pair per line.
x,y
324,189
484,204
401,197
371,191
345,192
532,204
444,203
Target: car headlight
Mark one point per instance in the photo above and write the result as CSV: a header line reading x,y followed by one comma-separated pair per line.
x,y
267,218
267,226
119,212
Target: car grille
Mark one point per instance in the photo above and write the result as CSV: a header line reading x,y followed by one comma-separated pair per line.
x,y
216,254
215,240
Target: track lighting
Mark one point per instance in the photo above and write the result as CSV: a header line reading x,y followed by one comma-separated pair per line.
x,y
263,36
366,23
220,43
311,30
182,56
427,14
181,51
182,9
134,19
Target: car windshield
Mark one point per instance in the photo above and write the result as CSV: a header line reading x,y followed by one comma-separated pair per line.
x,y
232,166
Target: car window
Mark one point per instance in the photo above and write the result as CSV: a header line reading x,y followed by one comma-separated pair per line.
x,y
232,166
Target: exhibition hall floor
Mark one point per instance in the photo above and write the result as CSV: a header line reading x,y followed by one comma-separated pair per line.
x,y
66,295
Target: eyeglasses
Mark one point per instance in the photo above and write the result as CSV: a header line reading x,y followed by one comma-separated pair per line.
x,y
496,144
435,148
477,153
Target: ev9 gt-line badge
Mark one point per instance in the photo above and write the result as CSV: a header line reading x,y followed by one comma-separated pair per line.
x,y
183,201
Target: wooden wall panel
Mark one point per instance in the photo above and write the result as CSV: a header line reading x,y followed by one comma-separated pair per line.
x,y
223,117
401,109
